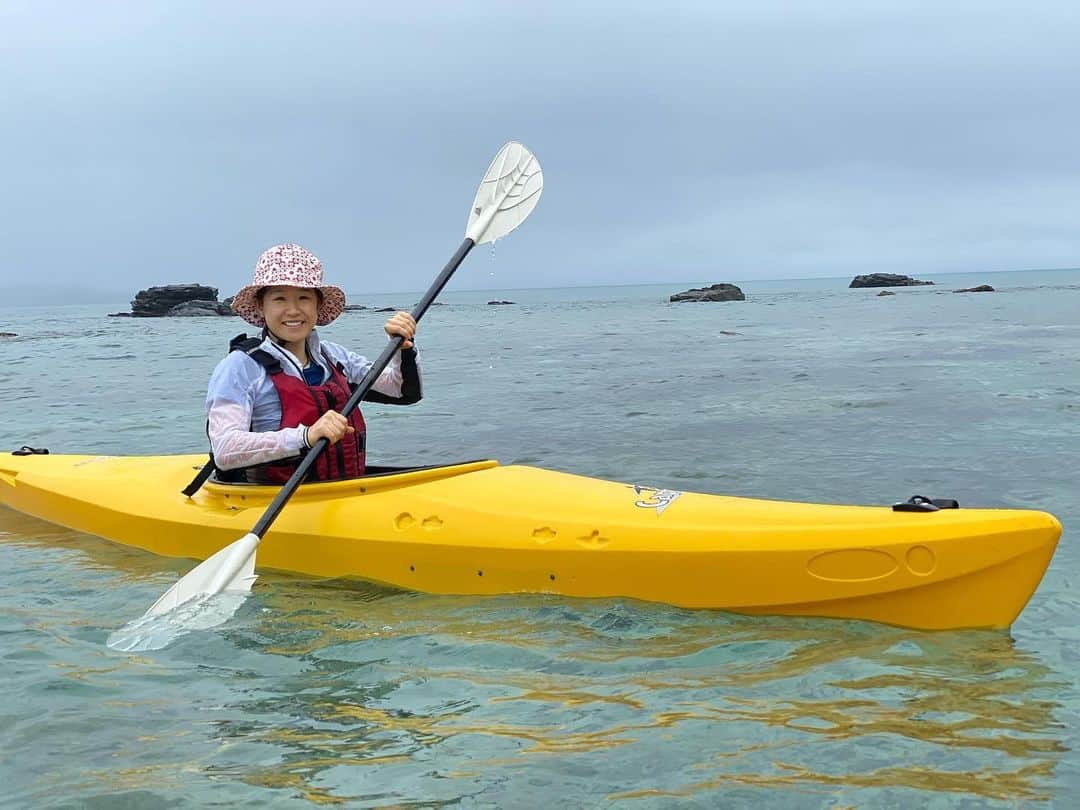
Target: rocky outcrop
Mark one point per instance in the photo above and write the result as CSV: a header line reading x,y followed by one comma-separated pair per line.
x,y
7,334
499,303
885,292
886,280
980,288
157,302
715,292
190,309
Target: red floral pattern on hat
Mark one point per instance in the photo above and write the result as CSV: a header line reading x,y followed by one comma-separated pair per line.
x,y
288,265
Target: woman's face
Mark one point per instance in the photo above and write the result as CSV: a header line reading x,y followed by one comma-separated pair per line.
x,y
290,312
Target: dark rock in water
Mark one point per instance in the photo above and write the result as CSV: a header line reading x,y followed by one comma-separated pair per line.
x,y
190,309
885,292
980,288
715,292
886,280
119,315
156,302
228,301
499,303
362,308
7,334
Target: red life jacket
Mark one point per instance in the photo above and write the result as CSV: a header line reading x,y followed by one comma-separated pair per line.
x,y
303,404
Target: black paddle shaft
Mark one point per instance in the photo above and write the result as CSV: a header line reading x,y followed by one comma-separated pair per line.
x,y
287,490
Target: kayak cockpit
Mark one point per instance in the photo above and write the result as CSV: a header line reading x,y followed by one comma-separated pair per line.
x,y
377,479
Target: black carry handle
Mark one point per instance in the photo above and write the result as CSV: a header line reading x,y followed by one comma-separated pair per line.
x,y
27,450
289,487
920,503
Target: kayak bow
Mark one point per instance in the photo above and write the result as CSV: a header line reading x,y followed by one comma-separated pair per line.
x,y
482,528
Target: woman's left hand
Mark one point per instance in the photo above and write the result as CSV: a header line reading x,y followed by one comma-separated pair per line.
x,y
402,323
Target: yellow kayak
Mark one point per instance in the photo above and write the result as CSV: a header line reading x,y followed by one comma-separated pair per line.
x,y
482,528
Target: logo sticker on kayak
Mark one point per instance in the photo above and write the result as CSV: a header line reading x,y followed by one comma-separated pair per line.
x,y
651,498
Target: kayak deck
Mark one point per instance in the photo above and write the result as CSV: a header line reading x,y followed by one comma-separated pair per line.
x,y
482,528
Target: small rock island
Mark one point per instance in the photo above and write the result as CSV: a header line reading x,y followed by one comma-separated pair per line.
x,y
886,280
178,301
714,292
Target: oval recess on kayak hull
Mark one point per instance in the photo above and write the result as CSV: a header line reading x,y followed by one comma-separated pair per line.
x,y
852,565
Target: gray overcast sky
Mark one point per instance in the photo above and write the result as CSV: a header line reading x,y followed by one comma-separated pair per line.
x,y
148,142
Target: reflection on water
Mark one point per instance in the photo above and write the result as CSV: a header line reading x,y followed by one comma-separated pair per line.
x,y
461,689
344,691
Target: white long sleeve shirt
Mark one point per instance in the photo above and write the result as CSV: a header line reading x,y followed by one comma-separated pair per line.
x,y
244,410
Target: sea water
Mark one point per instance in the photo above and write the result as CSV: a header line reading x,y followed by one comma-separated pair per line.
x,y
326,692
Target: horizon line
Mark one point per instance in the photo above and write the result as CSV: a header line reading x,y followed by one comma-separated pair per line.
x,y
108,291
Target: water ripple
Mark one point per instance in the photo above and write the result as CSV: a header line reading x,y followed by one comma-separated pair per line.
x,y
345,693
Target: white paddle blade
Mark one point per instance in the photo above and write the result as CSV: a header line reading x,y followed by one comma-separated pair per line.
x,y
231,569
508,193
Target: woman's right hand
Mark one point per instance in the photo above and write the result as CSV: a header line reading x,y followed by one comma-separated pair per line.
x,y
331,425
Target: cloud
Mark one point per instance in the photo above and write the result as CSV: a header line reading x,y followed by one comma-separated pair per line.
x,y
159,142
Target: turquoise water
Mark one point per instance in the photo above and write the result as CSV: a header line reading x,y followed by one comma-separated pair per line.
x,y
322,692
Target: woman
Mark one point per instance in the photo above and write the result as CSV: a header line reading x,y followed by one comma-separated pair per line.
x,y
272,397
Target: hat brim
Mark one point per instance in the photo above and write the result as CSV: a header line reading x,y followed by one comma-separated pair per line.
x,y
246,305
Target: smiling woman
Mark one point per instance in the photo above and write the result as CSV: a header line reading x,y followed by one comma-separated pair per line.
x,y
273,396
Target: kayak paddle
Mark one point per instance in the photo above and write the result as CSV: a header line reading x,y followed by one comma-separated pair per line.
x,y
507,195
